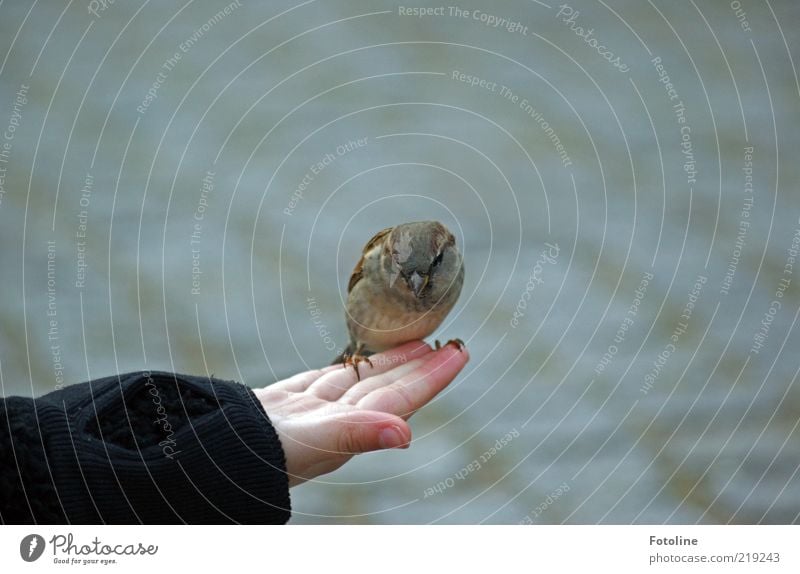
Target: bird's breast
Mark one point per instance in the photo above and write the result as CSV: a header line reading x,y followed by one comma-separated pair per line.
x,y
381,321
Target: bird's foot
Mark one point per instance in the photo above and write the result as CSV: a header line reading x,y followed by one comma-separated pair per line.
x,y
353,361
457,342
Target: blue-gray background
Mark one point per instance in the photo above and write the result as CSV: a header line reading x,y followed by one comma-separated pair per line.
x,y
268,89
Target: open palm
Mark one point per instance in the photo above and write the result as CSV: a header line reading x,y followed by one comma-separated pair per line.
x,y
324,417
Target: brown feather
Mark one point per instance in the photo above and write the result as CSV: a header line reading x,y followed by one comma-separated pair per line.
x,y
358,271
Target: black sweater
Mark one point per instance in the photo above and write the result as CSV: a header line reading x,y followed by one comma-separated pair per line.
x,y
147,447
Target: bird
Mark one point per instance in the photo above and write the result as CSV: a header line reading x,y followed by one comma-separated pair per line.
x,y
407,280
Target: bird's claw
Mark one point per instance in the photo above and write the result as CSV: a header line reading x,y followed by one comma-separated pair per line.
x,y
353,361
457,342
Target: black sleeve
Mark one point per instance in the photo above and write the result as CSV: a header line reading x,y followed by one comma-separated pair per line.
x,y
146,447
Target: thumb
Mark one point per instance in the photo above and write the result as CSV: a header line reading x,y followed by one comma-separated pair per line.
x,y
366,431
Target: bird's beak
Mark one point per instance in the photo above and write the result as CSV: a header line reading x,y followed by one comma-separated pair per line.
x,y
418,283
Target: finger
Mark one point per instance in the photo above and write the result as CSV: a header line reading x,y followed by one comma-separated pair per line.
x,y
365,387
335,383
355,432
301,381
362,388
417,388
366,431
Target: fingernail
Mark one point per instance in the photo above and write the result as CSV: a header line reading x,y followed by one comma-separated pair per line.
x,y
391,437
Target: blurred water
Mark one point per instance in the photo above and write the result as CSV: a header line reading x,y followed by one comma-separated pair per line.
x,y
99,173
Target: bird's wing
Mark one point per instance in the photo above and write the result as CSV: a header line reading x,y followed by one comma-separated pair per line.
x,y
358,272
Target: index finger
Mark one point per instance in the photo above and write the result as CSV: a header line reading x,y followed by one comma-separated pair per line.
x,y
339,375
333,384
415,389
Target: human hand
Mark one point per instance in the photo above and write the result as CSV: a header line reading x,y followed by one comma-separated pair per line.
x,y
326,416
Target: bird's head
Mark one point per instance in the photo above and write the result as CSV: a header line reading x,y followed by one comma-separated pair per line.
x,y
422,257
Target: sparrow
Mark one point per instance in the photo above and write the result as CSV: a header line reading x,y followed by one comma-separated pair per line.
x,y
407,280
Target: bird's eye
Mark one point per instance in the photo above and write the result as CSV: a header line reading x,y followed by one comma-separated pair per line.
x,y
438,259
